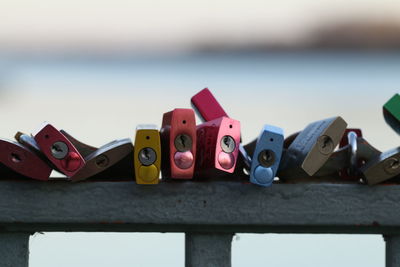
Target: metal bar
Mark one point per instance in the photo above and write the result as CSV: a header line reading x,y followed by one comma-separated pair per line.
x,y
208,250
392,250
215,206
14,249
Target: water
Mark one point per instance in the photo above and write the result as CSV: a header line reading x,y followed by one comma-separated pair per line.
x,y
346,72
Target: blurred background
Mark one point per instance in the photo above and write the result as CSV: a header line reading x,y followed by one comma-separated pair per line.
x,y
99,68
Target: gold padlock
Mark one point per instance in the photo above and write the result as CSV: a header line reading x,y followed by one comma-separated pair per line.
x,y
147,153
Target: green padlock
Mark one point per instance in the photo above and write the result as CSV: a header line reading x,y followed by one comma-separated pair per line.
x,y
391,113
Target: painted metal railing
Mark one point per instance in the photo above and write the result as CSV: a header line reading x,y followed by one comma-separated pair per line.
x,y
208,212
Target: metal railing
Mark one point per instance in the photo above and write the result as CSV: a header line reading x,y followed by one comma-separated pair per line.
x,y
209,213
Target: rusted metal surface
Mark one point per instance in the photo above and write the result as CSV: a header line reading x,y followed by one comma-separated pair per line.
x,y
215,206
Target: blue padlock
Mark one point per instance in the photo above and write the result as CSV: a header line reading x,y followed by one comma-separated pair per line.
x,y
267,155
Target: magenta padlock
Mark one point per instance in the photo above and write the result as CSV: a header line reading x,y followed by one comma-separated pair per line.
x,y
23,161
59,150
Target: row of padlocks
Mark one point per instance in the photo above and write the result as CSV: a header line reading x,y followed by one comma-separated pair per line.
x,y
211,150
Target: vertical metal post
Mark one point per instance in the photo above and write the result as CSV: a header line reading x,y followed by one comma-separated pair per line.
x,y
392,250
14,249
208,250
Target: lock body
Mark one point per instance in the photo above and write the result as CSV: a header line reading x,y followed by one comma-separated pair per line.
x,y
59,150
217,146
104,158
112,161
178,139
23,161
312,147
147,155
339,161
208,108
383,167
391,113
267,155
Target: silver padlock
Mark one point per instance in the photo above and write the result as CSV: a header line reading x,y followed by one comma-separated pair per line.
x,y
383,167
114,159
313,146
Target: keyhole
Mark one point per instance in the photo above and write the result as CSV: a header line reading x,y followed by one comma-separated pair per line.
x,y
146,153
182,140
147,156
391,165
102,161
59,150
227,141
266,158
394,164
228,144
325,144
15,158
56,148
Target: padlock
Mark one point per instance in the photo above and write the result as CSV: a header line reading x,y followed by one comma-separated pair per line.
x,y
217,147
382,167
112,161
147,155
391,113
59,150
208,108
340,160
313,146
266,156
24,161
104,158
178,141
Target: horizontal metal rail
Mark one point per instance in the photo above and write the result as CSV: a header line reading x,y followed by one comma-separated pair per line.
x,y
208,212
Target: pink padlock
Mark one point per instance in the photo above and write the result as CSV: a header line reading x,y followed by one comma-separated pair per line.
x,y
217,146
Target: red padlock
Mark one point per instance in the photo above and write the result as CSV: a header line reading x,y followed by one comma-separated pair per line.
x,y
178,136
23,161
59,150
217,146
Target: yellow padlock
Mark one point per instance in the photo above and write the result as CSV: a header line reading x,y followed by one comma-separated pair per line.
x,y
147,157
